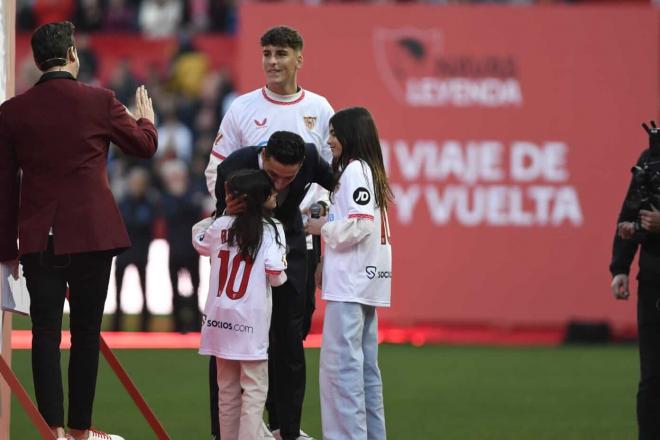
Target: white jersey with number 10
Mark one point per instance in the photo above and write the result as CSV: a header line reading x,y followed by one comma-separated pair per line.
x,y
237,314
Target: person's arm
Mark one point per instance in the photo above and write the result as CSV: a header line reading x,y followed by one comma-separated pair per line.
x,y
275,255
136,136
354,190
327,112
321,170
211,172
344,233
9,194
226,141
220,190
204,233
624,246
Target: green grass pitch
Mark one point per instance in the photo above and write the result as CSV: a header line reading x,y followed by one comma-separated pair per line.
x,y
431,392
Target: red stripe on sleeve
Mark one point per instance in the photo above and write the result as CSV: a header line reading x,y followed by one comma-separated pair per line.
x,y
365,216
218,155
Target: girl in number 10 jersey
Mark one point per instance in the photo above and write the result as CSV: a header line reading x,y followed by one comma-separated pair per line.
x,y
248,256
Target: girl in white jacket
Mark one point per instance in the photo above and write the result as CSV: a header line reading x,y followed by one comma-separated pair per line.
x,y
356,278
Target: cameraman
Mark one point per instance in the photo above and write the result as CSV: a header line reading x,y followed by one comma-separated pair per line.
x,y
640,225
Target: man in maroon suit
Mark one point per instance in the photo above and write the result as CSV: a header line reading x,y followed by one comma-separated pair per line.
x,y
54,142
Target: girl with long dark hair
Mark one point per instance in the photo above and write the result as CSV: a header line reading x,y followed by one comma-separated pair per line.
x,y
248,256
356,278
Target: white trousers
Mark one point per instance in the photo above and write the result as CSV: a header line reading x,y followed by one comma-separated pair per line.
x,y
241,414
349,378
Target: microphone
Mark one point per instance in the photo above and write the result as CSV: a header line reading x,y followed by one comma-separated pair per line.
x,y
315,212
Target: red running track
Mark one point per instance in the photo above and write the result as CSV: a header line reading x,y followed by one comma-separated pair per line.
x,y
418,336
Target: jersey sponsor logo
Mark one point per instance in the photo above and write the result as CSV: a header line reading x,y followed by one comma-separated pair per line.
x,y
261,124
235,327
361,196
373,272
218,138
310,122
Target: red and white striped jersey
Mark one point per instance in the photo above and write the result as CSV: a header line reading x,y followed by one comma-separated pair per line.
x,y
357,266
237,314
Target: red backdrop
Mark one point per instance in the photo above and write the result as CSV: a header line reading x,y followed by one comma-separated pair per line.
x,y
509,134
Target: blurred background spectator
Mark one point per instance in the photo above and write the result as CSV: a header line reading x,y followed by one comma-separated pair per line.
x,y
138,208
160,18
181,208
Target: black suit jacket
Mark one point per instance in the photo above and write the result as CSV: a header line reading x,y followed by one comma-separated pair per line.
x,y
313,170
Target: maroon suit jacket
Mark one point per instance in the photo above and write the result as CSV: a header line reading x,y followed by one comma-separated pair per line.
x,y
58,134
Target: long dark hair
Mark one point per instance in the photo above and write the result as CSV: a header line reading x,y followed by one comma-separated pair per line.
x,y
247,230
355,129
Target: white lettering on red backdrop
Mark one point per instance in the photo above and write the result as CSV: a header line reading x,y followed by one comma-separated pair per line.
x,y
484,183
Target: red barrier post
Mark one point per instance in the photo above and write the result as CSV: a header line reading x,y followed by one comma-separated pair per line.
x,y
25,400
142,405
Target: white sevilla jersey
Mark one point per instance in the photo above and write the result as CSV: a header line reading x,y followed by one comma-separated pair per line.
x,y
237,314
253,117
361,272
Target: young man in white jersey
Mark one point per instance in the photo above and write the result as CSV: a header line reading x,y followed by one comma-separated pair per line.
x,y
281,105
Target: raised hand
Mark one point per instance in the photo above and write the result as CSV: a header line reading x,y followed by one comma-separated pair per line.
x,y
144,106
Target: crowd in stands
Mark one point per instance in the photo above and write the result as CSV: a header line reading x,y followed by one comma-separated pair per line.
x,y
153,18
163,18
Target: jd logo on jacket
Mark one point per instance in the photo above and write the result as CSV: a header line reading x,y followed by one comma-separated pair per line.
x,y
361,196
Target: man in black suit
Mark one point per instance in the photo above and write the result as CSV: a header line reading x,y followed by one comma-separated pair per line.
x,y
292,166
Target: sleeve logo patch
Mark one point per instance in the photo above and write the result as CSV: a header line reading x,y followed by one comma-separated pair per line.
x,y
361,196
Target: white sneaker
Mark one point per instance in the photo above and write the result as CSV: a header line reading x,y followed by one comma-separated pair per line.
x,y
303,435
100,435
266,432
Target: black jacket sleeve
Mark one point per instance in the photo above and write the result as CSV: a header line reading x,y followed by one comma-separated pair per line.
x,y
623,251
322,171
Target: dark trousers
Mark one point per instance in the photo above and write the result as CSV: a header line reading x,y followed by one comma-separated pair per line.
x,y
648,393
286,365
185,311
120,268
47,276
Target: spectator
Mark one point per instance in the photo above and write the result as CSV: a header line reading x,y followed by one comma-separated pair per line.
x,y
181,209
122,81
189,69
88,61
175,138
120,17
160,18
88,15
138,209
